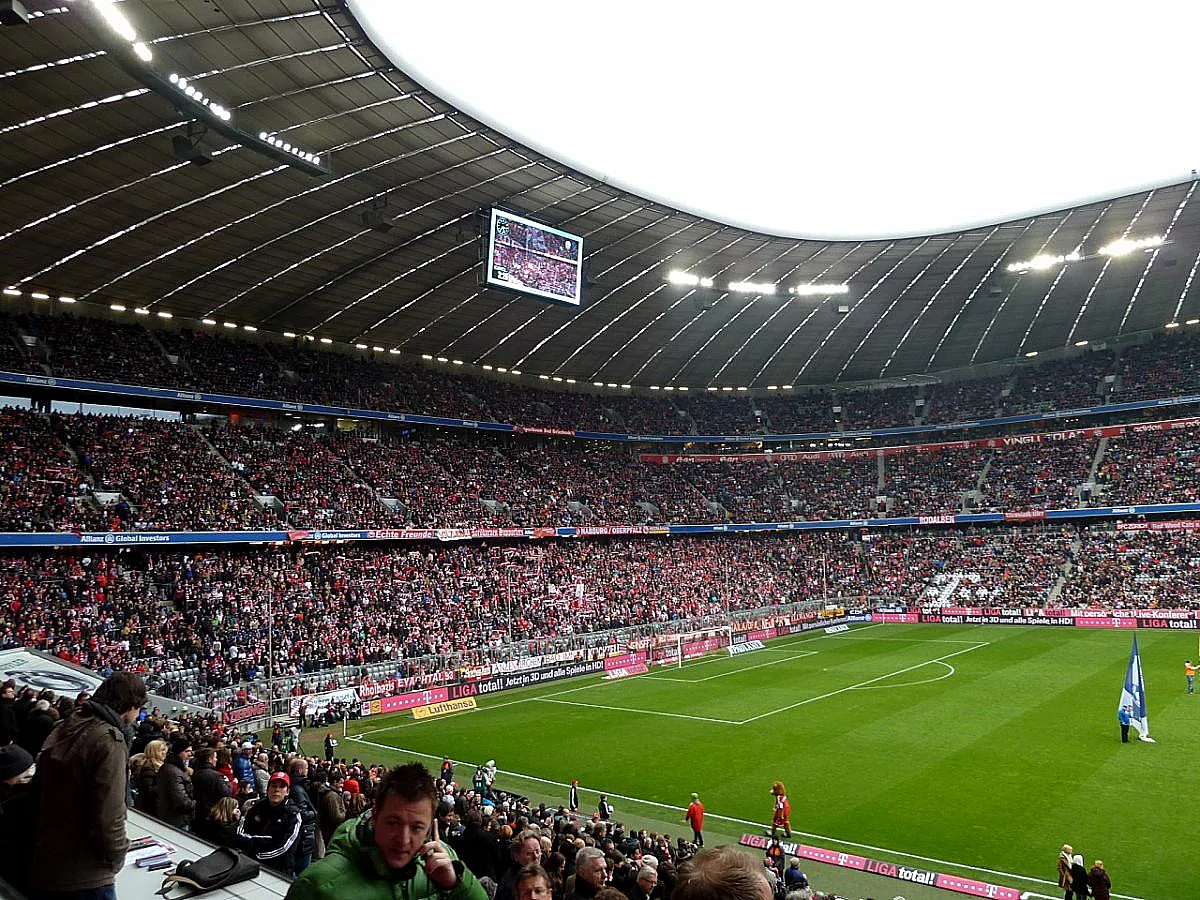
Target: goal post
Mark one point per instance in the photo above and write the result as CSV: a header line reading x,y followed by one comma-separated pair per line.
x,y
676,649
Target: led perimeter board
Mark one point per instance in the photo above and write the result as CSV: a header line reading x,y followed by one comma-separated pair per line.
x,y
534,259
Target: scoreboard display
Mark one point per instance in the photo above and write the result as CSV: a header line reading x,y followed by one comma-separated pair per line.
x,y
535,259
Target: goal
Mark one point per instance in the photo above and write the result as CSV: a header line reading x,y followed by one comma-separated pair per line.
x,y
676,649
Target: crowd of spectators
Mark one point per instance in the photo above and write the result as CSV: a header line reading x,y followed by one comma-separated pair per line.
x,y
15,356
301,470
193,772
169,475
1161,368
297,370
535,270
1037,476
213,362
931,482
1150,467
222,618
798,413
1135,570
883,408
963,401
1061,384
1005,569
721,415
125,353
41,487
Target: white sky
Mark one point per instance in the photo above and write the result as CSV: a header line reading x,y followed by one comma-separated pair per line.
x,y
838,119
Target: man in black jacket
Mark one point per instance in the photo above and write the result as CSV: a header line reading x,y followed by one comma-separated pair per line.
x,y
176,799
478,849
38,725
526,850
298,793
9,730
271,829
208,784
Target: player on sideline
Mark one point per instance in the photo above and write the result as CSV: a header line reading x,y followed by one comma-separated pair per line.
x,y
1189,669
783,811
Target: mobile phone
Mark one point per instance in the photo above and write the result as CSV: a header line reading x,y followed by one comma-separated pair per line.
x,y
165,864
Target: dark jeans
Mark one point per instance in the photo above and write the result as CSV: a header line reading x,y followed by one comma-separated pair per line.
x,y
303,861
108,892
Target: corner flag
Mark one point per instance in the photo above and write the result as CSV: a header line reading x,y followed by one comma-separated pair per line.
x,y
1133,695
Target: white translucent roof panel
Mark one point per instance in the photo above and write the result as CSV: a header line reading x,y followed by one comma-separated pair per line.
x,y
836,121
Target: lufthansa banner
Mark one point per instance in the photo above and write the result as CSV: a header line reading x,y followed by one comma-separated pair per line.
x,y
462,704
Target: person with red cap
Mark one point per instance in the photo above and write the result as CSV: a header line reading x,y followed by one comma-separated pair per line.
x,y
271,829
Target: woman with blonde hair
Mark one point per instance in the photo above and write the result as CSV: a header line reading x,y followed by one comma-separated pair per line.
x,y
144,769
220,827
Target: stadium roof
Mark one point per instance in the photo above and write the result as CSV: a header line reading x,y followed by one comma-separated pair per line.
x,y
813,120
95,206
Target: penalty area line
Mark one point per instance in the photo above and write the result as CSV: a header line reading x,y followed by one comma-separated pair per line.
x,y
860,684
646,712
819,838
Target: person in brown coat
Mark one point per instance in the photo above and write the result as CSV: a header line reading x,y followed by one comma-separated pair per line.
x,y
1064,871
1100,883
82,770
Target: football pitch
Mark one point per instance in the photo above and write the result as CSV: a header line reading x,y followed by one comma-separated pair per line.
x,y
971,750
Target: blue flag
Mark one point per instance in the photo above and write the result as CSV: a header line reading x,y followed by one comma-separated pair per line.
x,y
1133,695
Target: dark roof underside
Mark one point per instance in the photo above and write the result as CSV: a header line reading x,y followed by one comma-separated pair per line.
x,y
94,205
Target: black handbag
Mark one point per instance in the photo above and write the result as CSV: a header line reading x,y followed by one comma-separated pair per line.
x,y
219,869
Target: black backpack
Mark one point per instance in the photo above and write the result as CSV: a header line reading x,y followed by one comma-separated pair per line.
x,y
219,869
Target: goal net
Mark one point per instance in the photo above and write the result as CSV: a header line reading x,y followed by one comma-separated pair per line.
x,y
676,649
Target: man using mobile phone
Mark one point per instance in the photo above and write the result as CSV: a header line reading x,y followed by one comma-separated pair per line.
x,y
391,850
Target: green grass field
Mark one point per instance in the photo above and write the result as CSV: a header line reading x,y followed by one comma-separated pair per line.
x,y
972,750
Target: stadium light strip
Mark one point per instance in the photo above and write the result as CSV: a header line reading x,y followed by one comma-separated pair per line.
x,y
135,56
1119,247
752,287
1042,262
1122,246
806,290
688,279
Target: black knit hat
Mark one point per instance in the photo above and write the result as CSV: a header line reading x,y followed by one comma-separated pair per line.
x,y
179,745
13,761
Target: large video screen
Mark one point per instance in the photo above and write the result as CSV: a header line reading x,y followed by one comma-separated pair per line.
x,y
534,259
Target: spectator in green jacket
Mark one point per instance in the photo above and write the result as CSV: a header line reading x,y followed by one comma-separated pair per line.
x,y
391,851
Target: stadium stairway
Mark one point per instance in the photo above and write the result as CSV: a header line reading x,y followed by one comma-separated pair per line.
x,y
175,361
263,500
1098,459
983,474
1064,574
